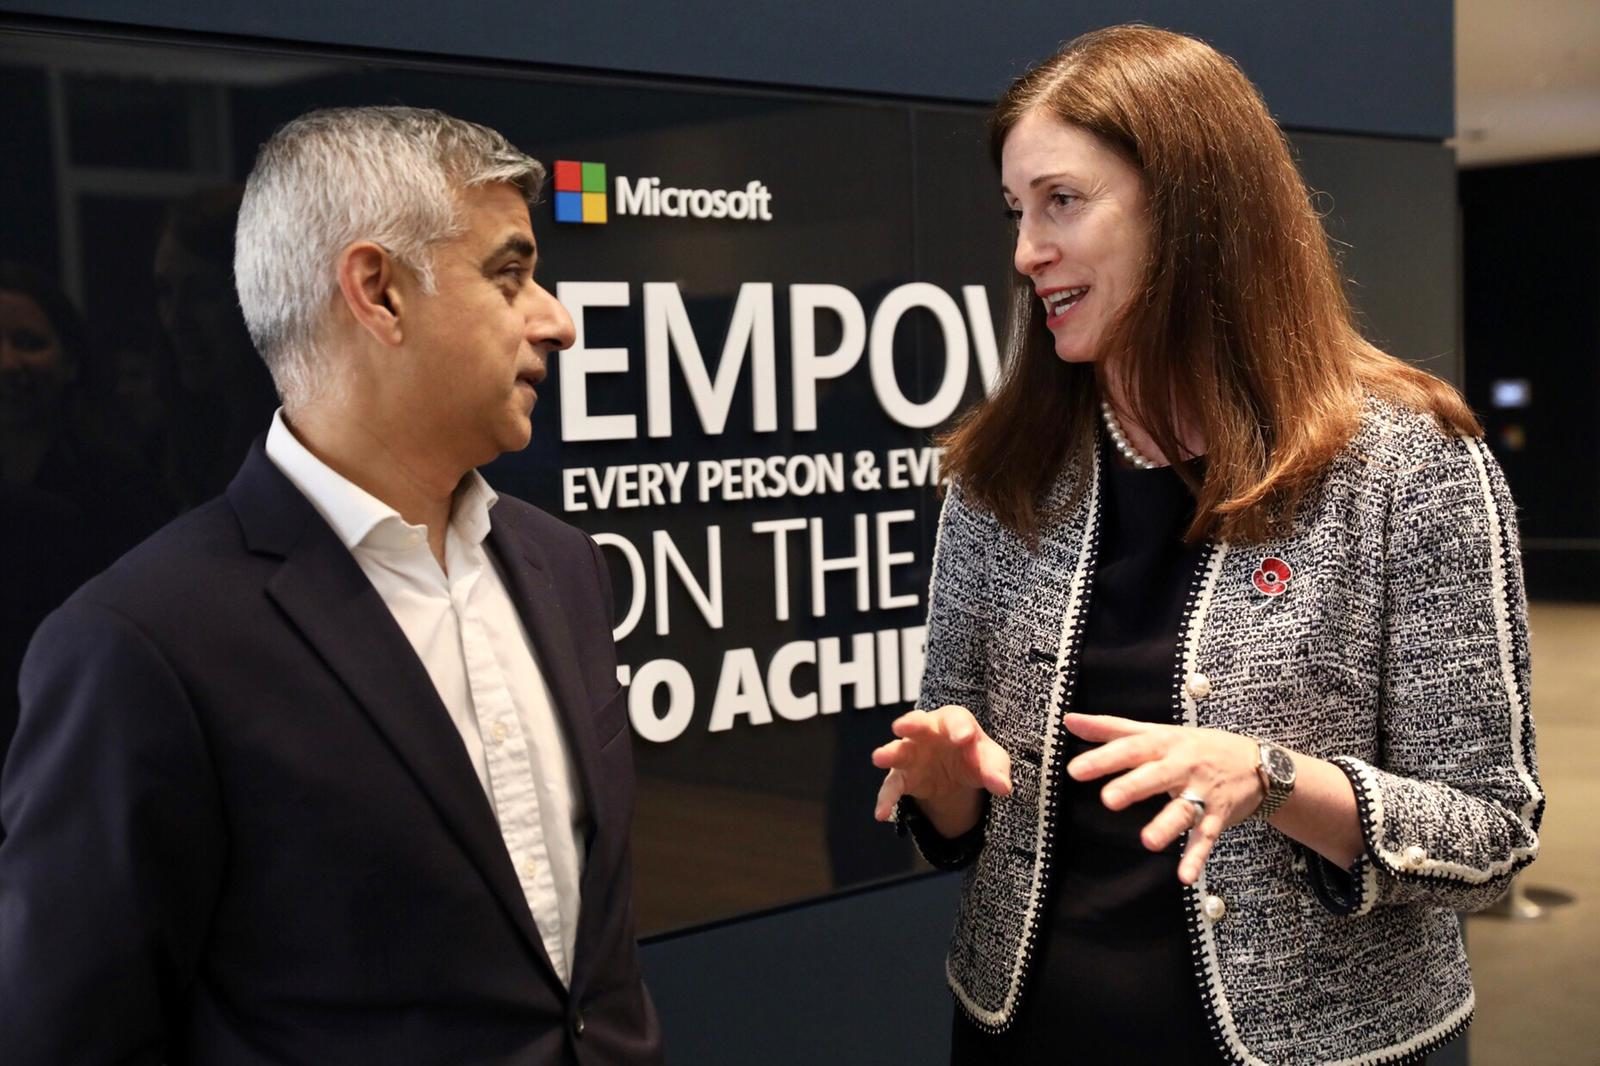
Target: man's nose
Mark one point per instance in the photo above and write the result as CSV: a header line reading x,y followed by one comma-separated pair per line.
x,y
549,324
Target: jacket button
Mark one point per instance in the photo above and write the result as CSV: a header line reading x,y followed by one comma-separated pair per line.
x,y
577,1023
1197,685
1414,857
1213,908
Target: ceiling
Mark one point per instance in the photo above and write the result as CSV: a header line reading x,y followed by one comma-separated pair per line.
x,y
1527,80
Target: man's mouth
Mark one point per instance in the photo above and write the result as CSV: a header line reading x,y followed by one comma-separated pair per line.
x,y
1058,302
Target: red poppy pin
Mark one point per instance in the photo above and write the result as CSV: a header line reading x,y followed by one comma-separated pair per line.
x,y
1272,576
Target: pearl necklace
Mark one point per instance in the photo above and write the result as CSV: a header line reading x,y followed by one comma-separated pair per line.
x,y
1120,440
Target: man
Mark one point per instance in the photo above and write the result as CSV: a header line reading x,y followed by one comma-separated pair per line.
x,y
335,769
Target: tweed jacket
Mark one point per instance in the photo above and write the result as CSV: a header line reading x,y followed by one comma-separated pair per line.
x,y
1396,648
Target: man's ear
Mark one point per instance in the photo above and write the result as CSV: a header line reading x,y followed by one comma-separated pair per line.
x,y
367,281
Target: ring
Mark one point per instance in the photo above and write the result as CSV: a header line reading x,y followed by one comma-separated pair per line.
x,y
1197,807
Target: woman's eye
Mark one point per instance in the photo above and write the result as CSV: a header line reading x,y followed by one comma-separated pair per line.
x,y
1013,215
27,340
1062,199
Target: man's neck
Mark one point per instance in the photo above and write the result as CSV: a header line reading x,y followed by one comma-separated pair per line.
x,y
358,449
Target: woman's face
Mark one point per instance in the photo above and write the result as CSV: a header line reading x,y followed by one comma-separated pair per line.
x,y
33,368
1082,228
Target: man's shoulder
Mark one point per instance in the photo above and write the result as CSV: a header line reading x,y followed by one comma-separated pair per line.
x,y
192,552
522,519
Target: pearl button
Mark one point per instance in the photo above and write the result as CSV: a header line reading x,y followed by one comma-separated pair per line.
x,y
1213,908
1414,856
499,732
1197,685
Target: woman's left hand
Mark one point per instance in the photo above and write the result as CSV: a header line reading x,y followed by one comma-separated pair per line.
x,y
1216,766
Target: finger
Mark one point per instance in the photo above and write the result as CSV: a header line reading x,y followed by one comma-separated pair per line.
x,y
1122,754
889,793
993,766
1142,782
1104,726
959,727
1201,840
1171,823
893,754
912,724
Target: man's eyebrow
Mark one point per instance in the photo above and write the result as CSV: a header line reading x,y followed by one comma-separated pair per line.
x,y
513,245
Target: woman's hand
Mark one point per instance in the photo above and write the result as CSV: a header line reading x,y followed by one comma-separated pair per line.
x,y
1217,766
945,761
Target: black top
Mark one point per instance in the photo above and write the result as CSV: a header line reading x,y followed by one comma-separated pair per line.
x,y
1112,979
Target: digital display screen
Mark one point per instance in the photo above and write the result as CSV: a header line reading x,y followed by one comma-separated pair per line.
x,y
780,299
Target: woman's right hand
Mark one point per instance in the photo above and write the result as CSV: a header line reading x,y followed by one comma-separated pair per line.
x,y
945,761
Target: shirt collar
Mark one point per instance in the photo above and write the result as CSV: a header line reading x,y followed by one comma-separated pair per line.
x,y
469,510
355,515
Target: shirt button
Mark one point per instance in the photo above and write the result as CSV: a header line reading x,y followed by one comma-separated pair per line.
x,y
1197,685
1213,908
529,868
1414,857
498,732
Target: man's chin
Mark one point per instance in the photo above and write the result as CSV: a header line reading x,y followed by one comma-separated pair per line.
x,y
516,435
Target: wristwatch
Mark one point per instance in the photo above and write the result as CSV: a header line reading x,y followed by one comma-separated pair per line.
x,y
1276,767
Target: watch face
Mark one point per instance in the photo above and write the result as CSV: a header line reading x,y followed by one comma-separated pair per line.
x,y
1280,765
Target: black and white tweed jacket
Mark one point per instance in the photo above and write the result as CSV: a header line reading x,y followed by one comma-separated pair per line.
x,y
1397,648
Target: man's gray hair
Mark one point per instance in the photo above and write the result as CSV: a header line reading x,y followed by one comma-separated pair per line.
x,y
389,175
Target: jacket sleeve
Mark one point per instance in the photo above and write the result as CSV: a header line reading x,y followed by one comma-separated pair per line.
x,y
112,848
959,624
1450,810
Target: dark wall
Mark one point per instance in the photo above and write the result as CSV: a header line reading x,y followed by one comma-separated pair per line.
x,y
1530,277
859,979
1364,66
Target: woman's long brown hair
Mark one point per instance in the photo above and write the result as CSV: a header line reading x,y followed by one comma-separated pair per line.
x,y
1241,331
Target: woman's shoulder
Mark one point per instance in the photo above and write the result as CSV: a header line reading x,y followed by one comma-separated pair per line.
x,y
963,512
1394,438
1406,460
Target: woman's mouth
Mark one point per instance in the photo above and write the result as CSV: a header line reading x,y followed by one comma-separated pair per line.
x,y
1058,302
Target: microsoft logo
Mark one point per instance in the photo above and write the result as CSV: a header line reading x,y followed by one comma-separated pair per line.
x,y
580,191
581,197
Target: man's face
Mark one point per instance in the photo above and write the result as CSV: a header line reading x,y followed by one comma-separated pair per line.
x,y
478,347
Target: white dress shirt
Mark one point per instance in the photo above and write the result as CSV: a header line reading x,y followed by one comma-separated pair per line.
x,y
464,628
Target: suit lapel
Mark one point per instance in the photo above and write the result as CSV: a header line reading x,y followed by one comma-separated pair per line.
x,y
544,618
324,594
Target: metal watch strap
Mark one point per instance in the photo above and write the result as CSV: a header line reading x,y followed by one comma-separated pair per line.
x,y
1275,793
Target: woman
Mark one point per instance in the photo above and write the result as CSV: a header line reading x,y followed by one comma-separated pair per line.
x,y
71,503
1227,676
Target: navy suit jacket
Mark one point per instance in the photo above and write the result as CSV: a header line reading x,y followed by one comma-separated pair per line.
x,y
240,827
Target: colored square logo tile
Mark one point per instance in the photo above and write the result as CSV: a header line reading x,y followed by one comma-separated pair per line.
x,y
569,176
594,177
569,207
594,207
